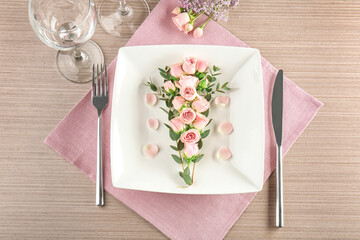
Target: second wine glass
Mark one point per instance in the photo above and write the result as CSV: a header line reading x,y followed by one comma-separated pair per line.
x,y
122,18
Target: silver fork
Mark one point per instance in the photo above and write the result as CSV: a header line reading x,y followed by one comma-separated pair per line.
x,y
100,100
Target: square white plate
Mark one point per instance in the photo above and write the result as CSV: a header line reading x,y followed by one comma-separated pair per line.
x,y
130,169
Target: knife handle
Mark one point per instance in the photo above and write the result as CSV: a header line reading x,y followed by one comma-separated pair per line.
x,y
279,188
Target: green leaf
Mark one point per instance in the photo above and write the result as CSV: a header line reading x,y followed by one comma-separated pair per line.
x,y
208,97
173,135
187,171
164,75
208,122
180,145
176,158
173,147
187,178
171,115
162,70
217,86
208,89
220,91
225,84
153,87
200,144
226,88
198,158
164,110
167,103
206,113
176,113
211,79
168,126
201,76
215,68
202,83
205,134
211,85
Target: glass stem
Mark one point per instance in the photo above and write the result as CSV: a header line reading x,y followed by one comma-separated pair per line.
x,y
123,9
77,54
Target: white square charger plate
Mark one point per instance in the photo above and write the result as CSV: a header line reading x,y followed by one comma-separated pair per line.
x,y
130,169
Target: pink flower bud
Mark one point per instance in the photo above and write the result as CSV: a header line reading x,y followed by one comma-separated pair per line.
x,y
191,149
180,20
169,85
176,11
187,28
201,65
198,32
176,70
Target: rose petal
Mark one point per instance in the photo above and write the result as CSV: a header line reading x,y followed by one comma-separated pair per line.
x,y
153,123
151,99
222,100
150,150
223,153
225,127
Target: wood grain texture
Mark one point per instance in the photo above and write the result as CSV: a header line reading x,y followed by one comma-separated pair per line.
x,y
317,43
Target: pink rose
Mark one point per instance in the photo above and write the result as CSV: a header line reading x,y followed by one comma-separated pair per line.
x,y
178,102
198,32
180,20
190,136
176,70
188,80
187,28
169,85
176,11
201,65
200,121
189,65
191,150
188,92
177,124
200,104
187,115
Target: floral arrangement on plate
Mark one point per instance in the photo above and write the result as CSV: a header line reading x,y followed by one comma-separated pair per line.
x,y
191,10
187,90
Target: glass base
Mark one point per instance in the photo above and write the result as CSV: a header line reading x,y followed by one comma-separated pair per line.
x,y
123,23
77,65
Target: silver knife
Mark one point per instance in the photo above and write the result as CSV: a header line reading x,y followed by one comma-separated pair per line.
x,y
277,117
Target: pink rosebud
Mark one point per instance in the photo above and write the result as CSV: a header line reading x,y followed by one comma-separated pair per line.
x,y
191,150
151,99
198,32
189,65
188,80
200,104
187,28
190,136
153,123
200,121
180,20
151,150
176,70
177,84
187,115
178,102
222,100
177,124
223,153
169,85
188,92
225,127
201,65
176,11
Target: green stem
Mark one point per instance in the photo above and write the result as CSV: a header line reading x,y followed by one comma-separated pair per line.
x,y
182,162
202,26
193,20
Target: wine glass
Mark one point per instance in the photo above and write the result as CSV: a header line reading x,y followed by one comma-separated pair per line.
x,y
122,18
67,25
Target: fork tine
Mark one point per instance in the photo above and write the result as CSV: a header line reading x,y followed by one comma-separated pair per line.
x,y
97,80
106,81
102,82
93,81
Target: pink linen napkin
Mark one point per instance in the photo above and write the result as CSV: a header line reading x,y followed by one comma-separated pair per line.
x,y
179,216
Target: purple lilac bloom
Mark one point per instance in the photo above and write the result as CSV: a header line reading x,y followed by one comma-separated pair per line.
x,y
218,8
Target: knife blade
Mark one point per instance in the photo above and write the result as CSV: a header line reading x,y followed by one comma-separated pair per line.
x,y
277,119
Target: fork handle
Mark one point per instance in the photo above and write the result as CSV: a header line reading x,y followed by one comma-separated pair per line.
x,y
99,168
279,188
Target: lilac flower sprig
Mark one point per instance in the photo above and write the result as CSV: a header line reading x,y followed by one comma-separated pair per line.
x,y
193,9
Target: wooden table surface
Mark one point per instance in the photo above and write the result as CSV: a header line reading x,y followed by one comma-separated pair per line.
x,y
317,43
